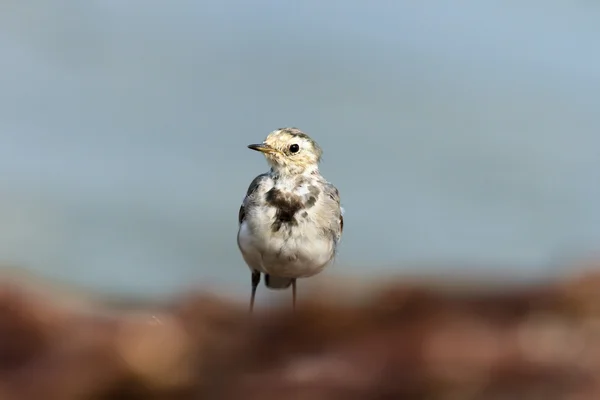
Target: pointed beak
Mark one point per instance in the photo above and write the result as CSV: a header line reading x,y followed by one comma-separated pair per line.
x,y
263,148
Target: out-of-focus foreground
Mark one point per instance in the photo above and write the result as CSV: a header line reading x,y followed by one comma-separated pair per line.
x,y
403,341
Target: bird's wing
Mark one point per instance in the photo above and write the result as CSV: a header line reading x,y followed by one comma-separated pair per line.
x,y
334,194
251,189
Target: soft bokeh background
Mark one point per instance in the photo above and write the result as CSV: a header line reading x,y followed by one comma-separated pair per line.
x,y
456,132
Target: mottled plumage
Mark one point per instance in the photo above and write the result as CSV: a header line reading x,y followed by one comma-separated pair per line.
x,y
290,221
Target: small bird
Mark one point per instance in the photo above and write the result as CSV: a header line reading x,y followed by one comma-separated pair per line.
x,y
290,222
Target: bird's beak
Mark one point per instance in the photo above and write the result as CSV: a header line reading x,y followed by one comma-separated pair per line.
x,y
262,147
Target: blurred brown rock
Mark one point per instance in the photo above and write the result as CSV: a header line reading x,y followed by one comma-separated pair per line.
x,y
404,341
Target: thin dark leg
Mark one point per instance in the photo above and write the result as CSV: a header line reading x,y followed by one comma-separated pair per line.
x,y
294,294
255,282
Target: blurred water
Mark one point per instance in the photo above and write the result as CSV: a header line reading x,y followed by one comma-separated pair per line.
x,y
455,132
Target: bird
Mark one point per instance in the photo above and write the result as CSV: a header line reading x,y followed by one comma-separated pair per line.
x,y
291,220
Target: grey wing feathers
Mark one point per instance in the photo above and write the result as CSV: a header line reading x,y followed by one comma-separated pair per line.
x,y
334,194
251,189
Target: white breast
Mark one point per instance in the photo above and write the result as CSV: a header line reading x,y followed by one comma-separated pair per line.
x,y
299,252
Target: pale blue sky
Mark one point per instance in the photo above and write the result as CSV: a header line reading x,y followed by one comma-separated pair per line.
x,y
471,127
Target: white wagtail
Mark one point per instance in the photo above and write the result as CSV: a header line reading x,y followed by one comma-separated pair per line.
x,y
290,221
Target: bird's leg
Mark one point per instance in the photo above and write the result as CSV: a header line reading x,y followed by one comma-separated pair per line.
x,y
255,282
294,294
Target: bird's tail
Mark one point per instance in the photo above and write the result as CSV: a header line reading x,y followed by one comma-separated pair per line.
x,y
276,282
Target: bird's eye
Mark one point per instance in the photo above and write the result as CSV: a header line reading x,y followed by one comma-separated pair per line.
x,y
294,148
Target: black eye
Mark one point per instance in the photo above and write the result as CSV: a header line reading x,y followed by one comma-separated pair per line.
x,y
294,148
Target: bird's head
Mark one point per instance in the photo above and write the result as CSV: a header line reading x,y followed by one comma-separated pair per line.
x,y
290,151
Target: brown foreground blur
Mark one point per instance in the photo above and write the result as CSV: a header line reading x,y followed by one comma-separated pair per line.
x,y
405,341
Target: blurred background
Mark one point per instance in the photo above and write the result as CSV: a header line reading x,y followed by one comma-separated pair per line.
x,y
456,133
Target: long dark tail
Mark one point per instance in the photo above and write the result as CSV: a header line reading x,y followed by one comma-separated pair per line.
x,y
276,282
